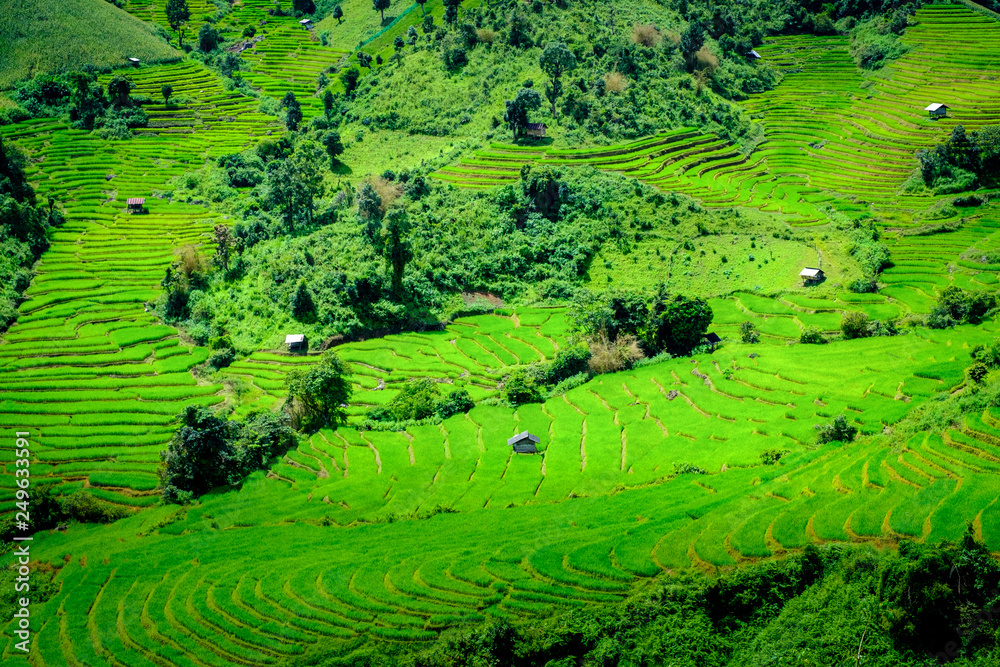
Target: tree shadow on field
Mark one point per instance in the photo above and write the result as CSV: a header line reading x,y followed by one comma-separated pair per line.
x,y
387,20
341,169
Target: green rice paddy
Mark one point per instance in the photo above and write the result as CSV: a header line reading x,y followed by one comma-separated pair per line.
x,y
400,535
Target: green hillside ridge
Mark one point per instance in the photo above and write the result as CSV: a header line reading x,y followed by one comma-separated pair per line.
x,y
38,37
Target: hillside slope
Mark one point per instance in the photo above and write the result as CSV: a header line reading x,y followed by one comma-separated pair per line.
x,y
37,36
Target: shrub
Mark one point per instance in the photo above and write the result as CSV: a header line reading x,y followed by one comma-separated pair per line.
x,y
770,457
854,324
839,429
977,372
607,356
749,333
455,402
568,362
520,387
615,82
812,336
646,35
222,358
85,508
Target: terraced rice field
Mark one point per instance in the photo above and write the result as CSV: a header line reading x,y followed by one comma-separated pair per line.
x,y
400,535
829,135
322,583
86,366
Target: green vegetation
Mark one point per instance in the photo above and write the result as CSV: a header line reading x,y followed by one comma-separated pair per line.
x,y
23,225
815,482
39,37
208,451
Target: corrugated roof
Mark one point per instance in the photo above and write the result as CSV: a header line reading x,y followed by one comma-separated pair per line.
x,y
535,126
810,272
935,107
136,201
305,21
753,54
295,338
523,435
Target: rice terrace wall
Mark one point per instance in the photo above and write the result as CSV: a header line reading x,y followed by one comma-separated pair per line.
x,y
654,471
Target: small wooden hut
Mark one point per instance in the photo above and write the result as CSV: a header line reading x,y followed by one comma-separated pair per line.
x,y
135,204
296,342
811,276
535,130
524,443
936,110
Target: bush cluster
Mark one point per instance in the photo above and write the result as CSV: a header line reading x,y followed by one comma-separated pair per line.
x,y
209,451
958,306
421,399
647,324
963,161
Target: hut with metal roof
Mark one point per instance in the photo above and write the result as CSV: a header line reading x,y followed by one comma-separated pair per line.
x,y
524,443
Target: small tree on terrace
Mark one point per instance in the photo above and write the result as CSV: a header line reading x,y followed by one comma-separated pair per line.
x,y
677,324
166,90
338,14
381,6
397,45
839,429
516,115
317,396
555,61
119,88
177,15
749,332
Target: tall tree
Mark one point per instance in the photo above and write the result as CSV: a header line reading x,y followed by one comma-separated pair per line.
x,y
397,45
338,14
166,90
303,307
396,246
516,115
293,111
422,9
295,182
555,61
223,245
177,15
381,6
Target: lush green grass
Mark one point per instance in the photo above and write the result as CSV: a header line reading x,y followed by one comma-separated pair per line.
x,y
40,36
